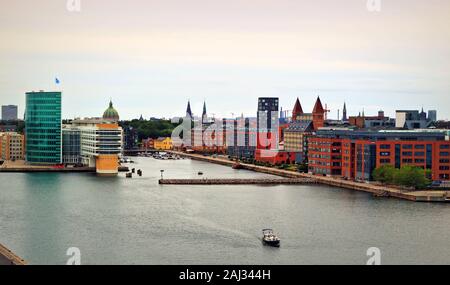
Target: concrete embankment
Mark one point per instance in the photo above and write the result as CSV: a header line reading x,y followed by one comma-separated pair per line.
x,y
55,170
237,181
7,257
376,190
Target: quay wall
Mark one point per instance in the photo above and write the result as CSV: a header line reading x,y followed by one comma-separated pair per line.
x,y
7,257
376,190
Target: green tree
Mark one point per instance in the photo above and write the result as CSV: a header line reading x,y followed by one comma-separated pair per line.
x,y
412,176
385,174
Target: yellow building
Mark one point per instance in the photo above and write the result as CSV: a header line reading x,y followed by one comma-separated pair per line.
x,y
163,144
11,146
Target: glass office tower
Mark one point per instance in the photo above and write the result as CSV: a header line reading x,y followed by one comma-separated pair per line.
x,y
43,127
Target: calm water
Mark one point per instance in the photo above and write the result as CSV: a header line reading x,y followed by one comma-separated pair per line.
x,y
136,221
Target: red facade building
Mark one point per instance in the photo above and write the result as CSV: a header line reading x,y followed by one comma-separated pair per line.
x,y
355,154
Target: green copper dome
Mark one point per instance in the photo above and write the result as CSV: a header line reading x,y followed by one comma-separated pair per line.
x,y
111,113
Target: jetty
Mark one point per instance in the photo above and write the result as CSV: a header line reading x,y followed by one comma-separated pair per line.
x,y
214,181
7,257
376,190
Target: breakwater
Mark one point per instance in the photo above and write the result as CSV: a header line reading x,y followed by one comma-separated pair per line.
x,y
237,181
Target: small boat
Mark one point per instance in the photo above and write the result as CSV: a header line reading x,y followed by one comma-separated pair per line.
x,y
200,173
269,238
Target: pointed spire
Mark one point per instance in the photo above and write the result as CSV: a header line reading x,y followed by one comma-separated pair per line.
x,y
344,112
188,110
318,107
298,111
204,114
204,109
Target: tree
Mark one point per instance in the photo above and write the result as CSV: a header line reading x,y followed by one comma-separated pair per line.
x,y
409,176
385,174
412,176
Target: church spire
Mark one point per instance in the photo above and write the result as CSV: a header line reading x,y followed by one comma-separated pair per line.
x,y
344,113
188,110
204,114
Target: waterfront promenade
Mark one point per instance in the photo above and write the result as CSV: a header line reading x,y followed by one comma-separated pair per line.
x,y
7,257
21,167
376,190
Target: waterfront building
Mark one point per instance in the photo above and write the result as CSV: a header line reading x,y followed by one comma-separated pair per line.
x,y
9,113
130,138
242,143
163,143
71,145
43,128
148,144
101,144
296,139
268,124
11,146
355,154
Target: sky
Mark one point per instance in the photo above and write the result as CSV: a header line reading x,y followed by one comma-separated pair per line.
x,y
150,57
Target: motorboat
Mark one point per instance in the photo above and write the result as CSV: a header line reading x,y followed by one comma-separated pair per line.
x,y
269,238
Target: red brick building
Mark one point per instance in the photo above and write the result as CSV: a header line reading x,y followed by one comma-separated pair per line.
x,y
355,154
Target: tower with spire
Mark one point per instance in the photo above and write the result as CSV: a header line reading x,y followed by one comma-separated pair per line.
x,y
204,114
318,115
344,113
297,111
189,111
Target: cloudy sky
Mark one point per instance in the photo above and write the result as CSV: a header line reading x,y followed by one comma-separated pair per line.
x,y
151,56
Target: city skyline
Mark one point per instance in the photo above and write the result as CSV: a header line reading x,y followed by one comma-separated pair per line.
x,y
228,54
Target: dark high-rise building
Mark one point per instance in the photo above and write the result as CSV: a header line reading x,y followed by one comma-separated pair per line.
x,y
9,113
43,127
268,123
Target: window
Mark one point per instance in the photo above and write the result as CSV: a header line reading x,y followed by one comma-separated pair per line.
x,y
420,146
385,146
444,153
407,153
385,153
444,160
407,146
421,153
445,146
444,167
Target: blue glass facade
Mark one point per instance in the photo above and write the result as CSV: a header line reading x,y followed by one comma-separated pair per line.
x,y
43,128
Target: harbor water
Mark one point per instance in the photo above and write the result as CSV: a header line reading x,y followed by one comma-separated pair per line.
x,y
115,220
